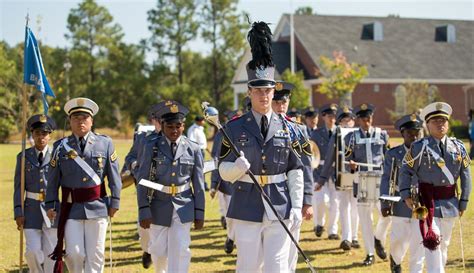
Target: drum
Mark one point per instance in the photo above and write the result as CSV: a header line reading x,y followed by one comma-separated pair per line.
x,y
368,190
344,181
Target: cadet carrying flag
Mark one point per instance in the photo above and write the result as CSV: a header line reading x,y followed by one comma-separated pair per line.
x,y
33,73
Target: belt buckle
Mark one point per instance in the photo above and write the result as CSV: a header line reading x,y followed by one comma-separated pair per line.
x,y
173,190
41,196
263,180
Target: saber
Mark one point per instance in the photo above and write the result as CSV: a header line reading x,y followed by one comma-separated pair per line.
x,y
212,116
110,245
363,164
462,244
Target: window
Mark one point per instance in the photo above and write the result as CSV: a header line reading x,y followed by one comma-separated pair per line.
x,y
400,100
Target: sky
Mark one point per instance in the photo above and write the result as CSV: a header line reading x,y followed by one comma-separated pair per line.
x,y
132,15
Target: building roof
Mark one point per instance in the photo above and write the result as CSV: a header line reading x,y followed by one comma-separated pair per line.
x,y
407,51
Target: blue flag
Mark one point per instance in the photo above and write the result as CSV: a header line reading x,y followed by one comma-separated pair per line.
x,y
33,73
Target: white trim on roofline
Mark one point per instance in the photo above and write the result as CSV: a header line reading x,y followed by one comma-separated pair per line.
x,y
384,80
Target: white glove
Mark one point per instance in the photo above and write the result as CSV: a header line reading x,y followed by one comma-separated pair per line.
x,y
296,218
242,163
232,171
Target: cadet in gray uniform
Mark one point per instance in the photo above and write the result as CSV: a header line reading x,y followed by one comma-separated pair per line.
x,y
311,117
170,193
280,103
39,231
437,162
325,197
405,230
79,165
264,145
348,215
224,188
132,163
368,145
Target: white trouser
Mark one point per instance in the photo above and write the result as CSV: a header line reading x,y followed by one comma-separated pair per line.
x,y
436,260
383,224
169,246
320,199
85,245
346,215
39,244
354,217
366,223
224,202
261,247
406,234
144,238
295,229
327,197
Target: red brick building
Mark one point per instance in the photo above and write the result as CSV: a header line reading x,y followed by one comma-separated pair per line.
x,y
394,50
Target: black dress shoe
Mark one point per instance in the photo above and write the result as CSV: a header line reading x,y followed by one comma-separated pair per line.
x,y
228,246
333,237
395,268
379,249
223,222
318,230
369,260
345,245
146,260
355,244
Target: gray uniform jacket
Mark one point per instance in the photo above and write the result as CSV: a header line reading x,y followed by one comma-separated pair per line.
x,y
185,167
99,153
307,169
139,141
396,156
216,180
356,150
35,181
320,136
426,169
267,157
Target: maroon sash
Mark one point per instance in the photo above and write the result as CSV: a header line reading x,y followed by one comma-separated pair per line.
x,y
80,195
429,194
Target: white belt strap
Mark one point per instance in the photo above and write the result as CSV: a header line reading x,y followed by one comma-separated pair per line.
x,y
84,166
437,158
39,196
264,179
173,190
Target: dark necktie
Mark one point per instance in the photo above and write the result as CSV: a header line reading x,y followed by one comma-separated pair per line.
x,y
368,134
173,148
82,143
40,158
441,148
330,133
264,126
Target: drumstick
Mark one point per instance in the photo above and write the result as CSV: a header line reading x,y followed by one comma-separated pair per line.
x,y
363,164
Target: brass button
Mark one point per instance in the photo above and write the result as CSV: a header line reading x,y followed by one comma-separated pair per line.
x,y
84,179
174,163
41,180
263,171
173,174
41,170
264,157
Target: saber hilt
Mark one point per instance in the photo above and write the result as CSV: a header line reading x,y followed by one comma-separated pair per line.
x,y
211,115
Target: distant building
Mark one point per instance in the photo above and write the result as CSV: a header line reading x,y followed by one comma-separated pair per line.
x,y
395,50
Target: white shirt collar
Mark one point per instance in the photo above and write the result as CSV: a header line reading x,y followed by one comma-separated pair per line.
x,y
85,137
177,140
44,151
258,116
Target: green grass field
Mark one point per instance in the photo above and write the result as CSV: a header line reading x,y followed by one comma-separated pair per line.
x,y
207,244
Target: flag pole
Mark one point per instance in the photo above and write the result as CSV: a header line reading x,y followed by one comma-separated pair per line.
x,y
23,159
